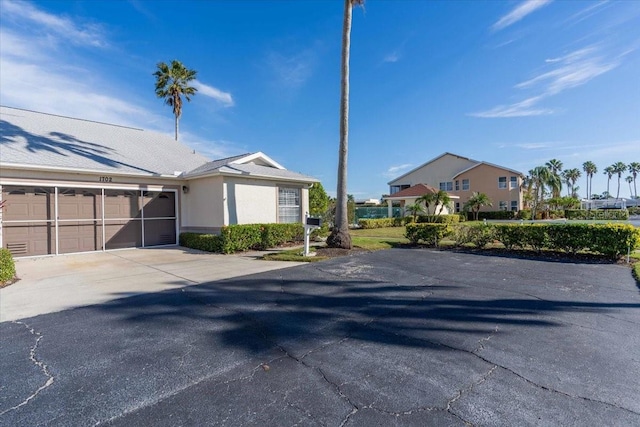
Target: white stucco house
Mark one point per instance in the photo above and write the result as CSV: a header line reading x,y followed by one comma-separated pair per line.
x,y
71,185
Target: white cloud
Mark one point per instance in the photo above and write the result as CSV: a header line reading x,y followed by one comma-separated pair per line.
x,y
519,12
224,98
292,71
394,171
392,57
524,108
569,71
46,23
534,145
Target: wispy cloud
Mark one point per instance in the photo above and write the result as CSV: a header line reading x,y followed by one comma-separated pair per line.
x,y
394,171
519,12
40,71
534,145
224,98
63,28
569,71
291,71
392,57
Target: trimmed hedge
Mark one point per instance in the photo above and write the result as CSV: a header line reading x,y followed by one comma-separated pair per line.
x,y
616,214
634,210
439,219
611,240
429,233
7,266
238,238
384,222
492,215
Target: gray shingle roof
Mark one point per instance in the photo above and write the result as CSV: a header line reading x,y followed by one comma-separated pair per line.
x,y
216,164
264,171
39,139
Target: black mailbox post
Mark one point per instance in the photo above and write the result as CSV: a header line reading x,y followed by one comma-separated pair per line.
x,y
315,222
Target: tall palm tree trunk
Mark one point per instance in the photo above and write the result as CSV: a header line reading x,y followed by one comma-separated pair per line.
x,y
177,128
618,192
340,237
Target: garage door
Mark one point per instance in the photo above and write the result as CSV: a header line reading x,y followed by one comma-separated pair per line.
x,y
88,219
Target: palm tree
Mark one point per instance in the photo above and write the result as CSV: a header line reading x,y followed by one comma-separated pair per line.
x,y
634,169
589,169
541,176
475,202
340,237
427,199
565,178
414,209
629,179
618,168
172,82
555,166
442,198
573,175
609,172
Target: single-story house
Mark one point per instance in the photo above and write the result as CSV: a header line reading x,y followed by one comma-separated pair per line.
x,y
71,185
409,196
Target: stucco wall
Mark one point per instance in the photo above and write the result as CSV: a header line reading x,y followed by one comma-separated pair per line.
x,y
440,170
202,206
484,179
250,201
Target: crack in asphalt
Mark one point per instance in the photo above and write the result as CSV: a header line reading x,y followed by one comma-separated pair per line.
x,y
43,367
481,341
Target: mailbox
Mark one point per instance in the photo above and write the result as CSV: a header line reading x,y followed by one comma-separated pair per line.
x,y
314,222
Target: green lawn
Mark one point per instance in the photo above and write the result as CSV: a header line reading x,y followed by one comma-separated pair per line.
x,y
375,239
293,255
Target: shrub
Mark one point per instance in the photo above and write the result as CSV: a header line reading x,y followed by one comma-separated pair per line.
x,y
7,266
613,240
570,238
481,234
439,219
524,214
237,238
462,217
510,235
384,222
429,233
493,215
601,214
634,210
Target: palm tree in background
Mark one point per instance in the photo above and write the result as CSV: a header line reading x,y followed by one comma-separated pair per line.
x,y
172,83
573,175
442,198
339,237
634,169
541,176
475,202
618,168
427,199
589,169
414,209
566,180
609,172
629,180
555,166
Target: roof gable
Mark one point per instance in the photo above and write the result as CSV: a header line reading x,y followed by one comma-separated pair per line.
x,y
415,191
428,163
488,164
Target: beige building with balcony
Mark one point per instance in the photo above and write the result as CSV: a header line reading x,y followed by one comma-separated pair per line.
x,y
461,177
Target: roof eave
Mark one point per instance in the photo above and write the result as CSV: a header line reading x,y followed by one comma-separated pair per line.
x,y
25,166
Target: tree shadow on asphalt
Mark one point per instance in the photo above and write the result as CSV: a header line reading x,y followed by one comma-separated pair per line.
x,y
258,312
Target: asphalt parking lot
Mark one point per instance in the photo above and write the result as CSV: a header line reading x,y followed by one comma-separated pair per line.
x,y
398,337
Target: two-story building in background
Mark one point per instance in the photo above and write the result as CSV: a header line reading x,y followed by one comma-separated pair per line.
x,y
461,177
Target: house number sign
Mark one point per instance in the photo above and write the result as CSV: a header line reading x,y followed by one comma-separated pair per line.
x,y
106,179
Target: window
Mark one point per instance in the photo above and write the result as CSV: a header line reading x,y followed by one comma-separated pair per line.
x,y
289,205
396,188
457,206
465,184
446,186
502,182
503,205
457,185
513,183
514,205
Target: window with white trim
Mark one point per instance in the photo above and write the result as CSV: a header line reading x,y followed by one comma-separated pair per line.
x,y
513,182
446,186
289,205
514,205
465,185
502,182
457,185
503,205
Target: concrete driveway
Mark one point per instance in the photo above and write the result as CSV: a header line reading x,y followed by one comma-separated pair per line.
x,y
50,284
398,337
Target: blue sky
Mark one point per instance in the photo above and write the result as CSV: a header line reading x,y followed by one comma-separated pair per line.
x,y
515,83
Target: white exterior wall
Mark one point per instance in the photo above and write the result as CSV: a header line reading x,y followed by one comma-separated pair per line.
x,y
250,201
440,170
202,206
